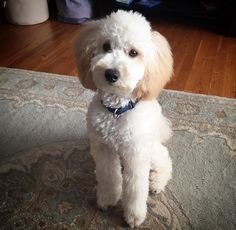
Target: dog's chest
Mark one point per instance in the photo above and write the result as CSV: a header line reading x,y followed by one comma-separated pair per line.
x,y
103,126
110,130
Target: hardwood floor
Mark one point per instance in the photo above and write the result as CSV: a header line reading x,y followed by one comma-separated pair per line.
x,y
204,62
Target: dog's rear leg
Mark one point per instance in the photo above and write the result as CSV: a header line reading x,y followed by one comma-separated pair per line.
x,y
161,169
108,175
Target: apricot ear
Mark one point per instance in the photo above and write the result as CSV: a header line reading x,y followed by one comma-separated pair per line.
x,y
84,48
158,71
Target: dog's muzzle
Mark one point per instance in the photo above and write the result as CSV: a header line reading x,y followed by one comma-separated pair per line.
x,y
112,75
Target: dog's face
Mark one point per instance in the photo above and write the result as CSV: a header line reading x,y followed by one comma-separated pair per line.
x,y
118,63
118,54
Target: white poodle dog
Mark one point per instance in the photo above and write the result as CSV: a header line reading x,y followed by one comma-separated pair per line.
x,y
127,64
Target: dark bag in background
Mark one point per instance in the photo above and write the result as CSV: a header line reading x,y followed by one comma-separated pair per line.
x,y
74,11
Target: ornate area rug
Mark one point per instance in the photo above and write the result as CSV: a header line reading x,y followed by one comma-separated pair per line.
x,y
47,175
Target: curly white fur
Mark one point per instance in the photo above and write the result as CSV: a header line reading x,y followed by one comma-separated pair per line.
x,y
135,140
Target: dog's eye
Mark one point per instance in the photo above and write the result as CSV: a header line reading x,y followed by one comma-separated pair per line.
x,y
133,53
107,47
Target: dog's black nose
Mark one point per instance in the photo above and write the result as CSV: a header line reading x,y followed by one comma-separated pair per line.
x,y
112,75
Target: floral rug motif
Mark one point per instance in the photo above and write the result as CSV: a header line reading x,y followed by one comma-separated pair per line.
x,y
47,176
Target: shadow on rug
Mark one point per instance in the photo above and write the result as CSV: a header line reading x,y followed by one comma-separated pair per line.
x,y
47,174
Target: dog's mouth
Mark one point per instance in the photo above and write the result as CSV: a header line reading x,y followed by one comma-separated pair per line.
x,y
118,87
111,79
106,76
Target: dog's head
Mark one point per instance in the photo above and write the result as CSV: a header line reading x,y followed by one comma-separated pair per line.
x,y
121,54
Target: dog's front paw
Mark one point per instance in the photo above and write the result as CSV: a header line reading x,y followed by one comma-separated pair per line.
x,y
135,217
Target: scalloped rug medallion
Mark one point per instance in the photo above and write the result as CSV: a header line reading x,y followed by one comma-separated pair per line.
x,y
47,174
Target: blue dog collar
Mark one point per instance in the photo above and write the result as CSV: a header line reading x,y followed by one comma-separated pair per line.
x,y
117,112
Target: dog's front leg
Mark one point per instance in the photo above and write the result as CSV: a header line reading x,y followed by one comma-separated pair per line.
x,y
108,175
135,185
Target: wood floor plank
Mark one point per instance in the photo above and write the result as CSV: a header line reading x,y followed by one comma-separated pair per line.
x,y
200,77
184,55
229,77
219,62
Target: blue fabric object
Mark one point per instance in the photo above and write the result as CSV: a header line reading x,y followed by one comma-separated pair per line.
x,y
126,3
148,3
74,11
118,111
